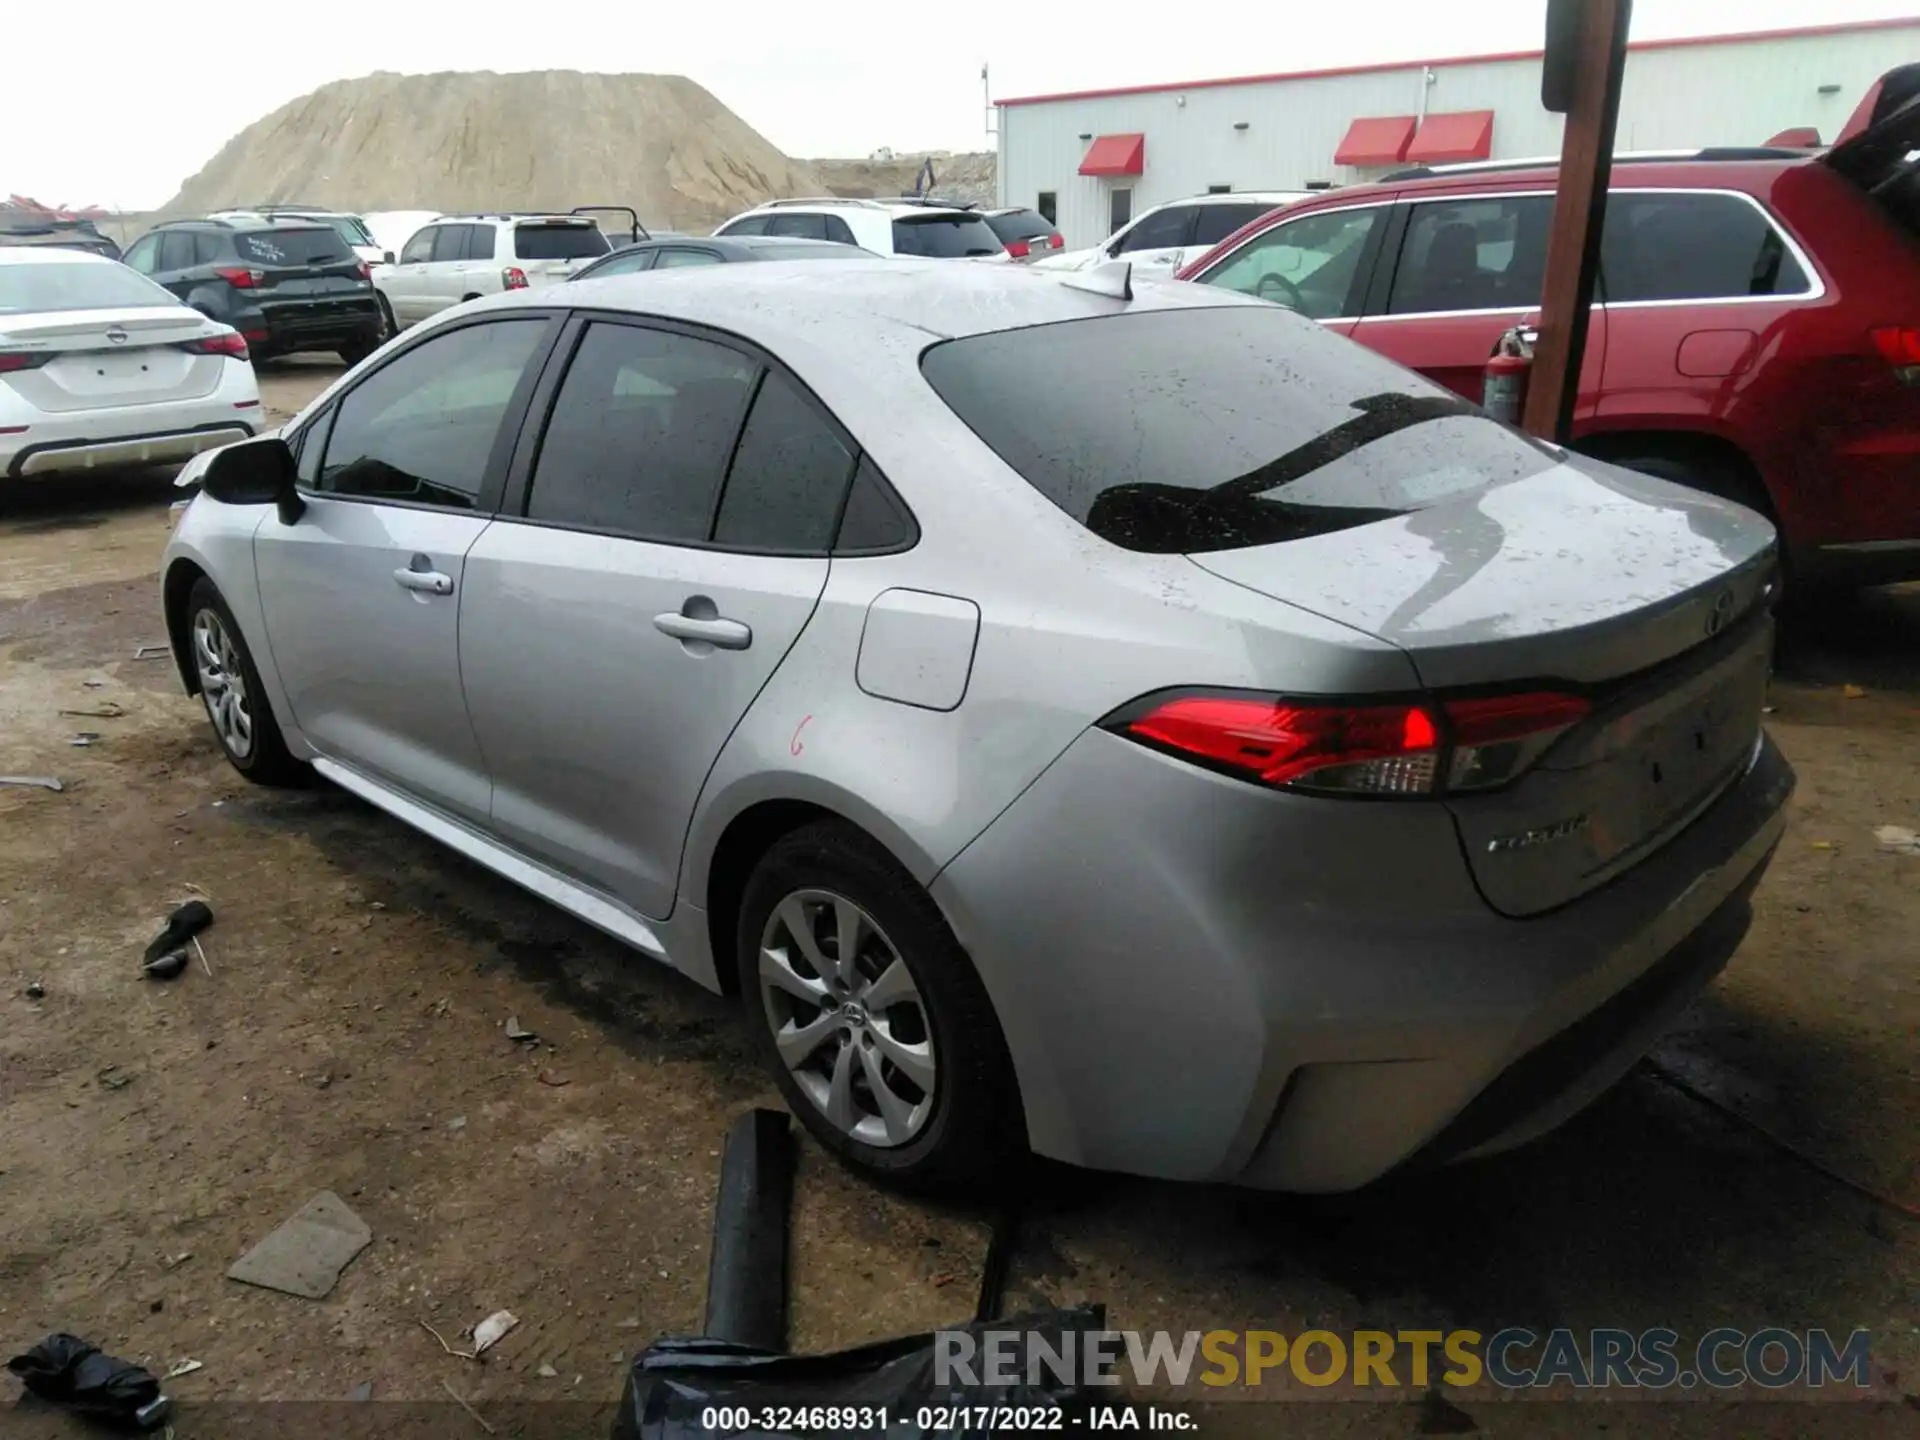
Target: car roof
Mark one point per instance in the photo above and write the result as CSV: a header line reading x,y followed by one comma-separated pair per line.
x,y
50,254
894,208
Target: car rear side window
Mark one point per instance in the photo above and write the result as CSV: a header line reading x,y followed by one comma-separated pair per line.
x,y
837,230
789,476
320,245
1020,225
1677,246
1487,254
558,242
1217,222
207,249
750,225
422,427
944,237
875,521
1162,230
798,227
483,242
1212,429
176,250
641,433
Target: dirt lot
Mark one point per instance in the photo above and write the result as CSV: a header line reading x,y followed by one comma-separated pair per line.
x,y
349,1037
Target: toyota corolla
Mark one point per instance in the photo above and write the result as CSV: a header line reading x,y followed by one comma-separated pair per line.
x,y
1124,723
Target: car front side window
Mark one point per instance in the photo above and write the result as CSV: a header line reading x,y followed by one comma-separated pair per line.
x,y
1310,264
421,429
144,255
419,249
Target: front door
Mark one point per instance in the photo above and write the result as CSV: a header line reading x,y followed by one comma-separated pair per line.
x,y
612,638
405,283
1467,271
362,593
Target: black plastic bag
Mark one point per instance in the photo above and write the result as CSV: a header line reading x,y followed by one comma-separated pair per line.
x,y
72,1372
676,1386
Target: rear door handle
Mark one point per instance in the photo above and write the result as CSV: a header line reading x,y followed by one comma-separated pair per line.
x,y
427,582
721,633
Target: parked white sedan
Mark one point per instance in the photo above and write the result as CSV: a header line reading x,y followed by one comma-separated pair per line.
x,y
1159,241
100,366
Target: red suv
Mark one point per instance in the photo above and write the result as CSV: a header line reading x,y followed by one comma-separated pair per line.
x,y
1756,332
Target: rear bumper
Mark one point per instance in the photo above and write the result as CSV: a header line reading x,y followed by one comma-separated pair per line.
x,y
315,325
49,457
1203,980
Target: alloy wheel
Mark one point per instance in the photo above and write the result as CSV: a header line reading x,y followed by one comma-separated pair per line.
x,y
222,685
847,1018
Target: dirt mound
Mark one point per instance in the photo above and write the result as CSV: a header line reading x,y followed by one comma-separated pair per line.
x,y
546,140
963,176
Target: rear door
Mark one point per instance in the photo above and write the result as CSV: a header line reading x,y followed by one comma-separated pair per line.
x,y
670,552
1459,272
362,593
406,284
1319,264
461,253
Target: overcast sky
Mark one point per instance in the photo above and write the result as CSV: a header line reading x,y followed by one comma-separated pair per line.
x,y
115,102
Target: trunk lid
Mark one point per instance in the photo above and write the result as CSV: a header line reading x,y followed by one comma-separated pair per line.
x,y
103,358
1647,599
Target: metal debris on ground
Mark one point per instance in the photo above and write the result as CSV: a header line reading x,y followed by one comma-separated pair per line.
x,y
490,1331
149,652
1898,839
306,1254
517,1032
82,739
112,1077
110,710
547,1372
36,991
184,1367
44,782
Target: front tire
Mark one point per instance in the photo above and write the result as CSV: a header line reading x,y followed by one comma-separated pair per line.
x,y
872,1019
235,700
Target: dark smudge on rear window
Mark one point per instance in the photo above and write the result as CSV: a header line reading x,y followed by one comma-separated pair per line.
x,y
1180,431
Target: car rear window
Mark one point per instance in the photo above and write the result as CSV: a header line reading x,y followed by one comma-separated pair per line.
x,y
1181,431
29,288
1020,225
944,237
558,242
319,246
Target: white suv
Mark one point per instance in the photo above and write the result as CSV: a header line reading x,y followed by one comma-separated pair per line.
x,y
919,228
1165,237
460,257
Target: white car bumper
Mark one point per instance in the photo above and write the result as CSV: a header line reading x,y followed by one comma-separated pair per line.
x,y
38,442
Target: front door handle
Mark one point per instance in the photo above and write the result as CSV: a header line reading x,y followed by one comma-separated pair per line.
x,y
427,582
718,632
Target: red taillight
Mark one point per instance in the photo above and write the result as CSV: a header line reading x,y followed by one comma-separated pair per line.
x,y
1399,749
12,360
1017,249
228,344
240,278
255,337
514,278
366,271
1899,346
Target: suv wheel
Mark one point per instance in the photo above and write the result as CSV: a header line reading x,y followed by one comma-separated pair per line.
x,y
230,688
877,1030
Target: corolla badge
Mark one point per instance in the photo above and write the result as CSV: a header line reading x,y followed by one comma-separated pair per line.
x,y
1546,834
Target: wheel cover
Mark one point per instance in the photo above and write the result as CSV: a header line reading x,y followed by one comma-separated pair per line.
x,y
222,685
847,1018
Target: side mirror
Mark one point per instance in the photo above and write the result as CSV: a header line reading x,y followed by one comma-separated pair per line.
x,y
389,256
255,472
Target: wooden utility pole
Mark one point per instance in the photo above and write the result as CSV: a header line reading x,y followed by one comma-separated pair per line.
x,y
1586,57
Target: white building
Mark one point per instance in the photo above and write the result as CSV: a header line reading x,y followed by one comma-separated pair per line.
x,y
1092,159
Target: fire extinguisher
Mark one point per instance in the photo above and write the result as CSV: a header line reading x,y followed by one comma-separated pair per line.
x,y
1504,393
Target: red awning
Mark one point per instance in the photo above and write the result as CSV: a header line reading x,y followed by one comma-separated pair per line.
x,y
1375,140
1115,155
1463,135
1800,137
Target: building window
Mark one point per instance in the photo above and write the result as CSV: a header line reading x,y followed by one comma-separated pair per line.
x,y
1219,189
1119,207
1046,205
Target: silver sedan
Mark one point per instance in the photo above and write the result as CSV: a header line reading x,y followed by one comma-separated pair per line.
x,y
1129,724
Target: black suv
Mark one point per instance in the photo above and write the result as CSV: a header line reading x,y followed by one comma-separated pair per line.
x,y
285,285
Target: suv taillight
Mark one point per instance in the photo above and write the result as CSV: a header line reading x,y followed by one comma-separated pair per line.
x,y
230,344
240,278
1017,249
514,278
1899,346
1334,749
366,271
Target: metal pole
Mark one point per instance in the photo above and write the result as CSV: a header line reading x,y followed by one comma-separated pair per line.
x,y
1579,213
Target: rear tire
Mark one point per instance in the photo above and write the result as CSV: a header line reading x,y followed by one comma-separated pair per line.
x,y
359,349
235,700
908,1016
